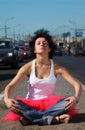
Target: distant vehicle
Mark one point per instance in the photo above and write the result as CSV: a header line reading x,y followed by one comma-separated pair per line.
x,y
25,48
78,51
20,54
60,43
28,51
19,43
24,51
8,54
58,51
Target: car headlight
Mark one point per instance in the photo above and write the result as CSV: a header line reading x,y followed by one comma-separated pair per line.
x,y
10,54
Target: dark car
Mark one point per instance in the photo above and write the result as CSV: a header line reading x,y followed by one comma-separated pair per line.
x,y
79,51
20,54
28,49
25,49
58,51
8,54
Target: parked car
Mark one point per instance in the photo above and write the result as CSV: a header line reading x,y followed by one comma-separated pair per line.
x,y
58,51
8,53
79,51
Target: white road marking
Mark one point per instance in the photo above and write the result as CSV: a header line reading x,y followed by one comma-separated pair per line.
x,y
83,86
1,95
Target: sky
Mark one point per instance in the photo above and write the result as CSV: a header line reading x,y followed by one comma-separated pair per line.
x,y
27,16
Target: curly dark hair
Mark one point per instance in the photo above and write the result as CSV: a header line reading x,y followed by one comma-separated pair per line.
x,y
42,33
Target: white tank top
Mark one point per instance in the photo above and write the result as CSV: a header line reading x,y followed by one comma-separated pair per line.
x,y
41,88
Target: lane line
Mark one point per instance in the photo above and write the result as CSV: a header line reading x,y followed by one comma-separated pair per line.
x,y
1,95
83,86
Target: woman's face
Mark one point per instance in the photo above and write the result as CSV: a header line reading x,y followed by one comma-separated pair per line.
x,y
41,45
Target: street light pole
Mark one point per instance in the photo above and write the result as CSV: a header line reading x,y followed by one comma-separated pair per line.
x,y
14,35
75,25
75,30
11,18
5,31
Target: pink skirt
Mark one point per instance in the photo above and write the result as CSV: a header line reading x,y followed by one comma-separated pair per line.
x,y
41,105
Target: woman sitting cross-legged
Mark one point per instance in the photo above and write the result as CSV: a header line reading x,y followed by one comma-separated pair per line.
x,y
41,105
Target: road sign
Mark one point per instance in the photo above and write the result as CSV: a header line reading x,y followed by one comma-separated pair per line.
x,y
79,34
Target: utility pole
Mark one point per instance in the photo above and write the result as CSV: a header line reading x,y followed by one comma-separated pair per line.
x,y
11,18
14,32
75,30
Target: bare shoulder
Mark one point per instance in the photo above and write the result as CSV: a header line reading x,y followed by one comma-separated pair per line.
x,y
59,69
26,69
57,66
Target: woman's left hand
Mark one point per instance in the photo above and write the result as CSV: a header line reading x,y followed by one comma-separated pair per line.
x,y
71,103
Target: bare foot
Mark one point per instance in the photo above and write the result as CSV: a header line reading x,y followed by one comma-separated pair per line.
x,y
64,118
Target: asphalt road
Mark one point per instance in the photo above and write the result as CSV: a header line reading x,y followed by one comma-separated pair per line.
x,y
75,64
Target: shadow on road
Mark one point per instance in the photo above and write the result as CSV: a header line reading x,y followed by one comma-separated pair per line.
x,y
79,118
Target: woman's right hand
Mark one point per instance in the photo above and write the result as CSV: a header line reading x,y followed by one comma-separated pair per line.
x,y
9,102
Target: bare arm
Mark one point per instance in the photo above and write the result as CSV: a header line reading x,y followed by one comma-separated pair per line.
x,y
77,86
69,78
19,76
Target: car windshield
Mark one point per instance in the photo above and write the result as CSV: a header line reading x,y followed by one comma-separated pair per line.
x,y
19,44
5,44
